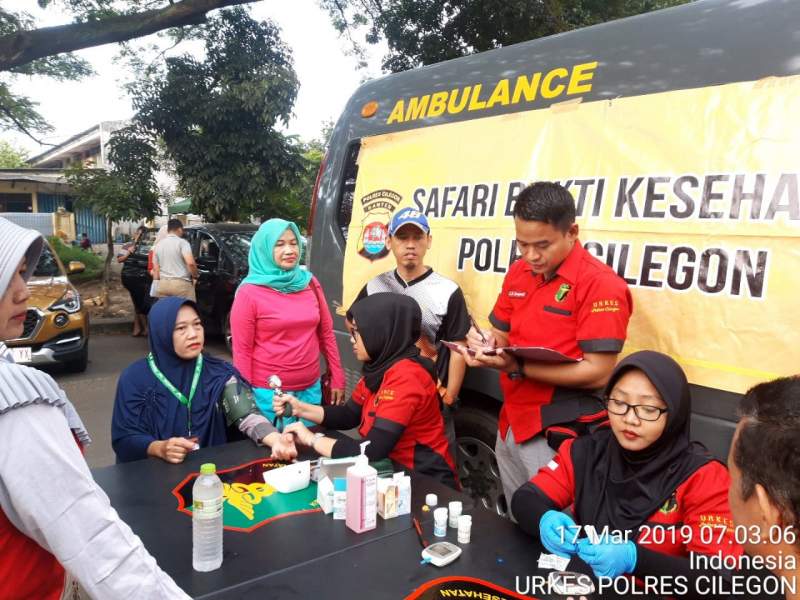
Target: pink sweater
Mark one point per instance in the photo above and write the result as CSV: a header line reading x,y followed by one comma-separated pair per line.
x,y
282,334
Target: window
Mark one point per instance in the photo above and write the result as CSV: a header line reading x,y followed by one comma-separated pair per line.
x,y
47,265
237,246
208,248
16,203
348,189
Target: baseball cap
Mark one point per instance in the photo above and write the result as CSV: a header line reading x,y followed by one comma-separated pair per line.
x,y
409,216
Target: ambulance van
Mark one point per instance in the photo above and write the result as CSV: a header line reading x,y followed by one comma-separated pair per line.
x,y
678,134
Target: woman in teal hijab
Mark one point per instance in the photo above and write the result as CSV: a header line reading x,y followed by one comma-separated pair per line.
x,y
280,322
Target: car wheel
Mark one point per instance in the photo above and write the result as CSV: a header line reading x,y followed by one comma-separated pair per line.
x,y
476,432
79,364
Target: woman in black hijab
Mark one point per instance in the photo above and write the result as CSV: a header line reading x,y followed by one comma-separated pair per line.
x,y
394,405
647,489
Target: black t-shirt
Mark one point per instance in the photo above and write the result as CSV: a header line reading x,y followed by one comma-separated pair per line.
x,y
444,309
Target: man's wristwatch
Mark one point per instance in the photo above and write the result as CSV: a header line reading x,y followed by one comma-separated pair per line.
x,y
314,440
518,373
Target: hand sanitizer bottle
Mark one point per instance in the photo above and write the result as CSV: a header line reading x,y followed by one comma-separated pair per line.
x,y
362,494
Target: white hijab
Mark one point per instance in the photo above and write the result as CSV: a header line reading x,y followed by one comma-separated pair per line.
x,y
21,385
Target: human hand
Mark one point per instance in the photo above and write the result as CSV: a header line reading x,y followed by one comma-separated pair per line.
x,y
337,396
608,559
279,402
480,339
556,531
284,448
496,359
174,450
302,433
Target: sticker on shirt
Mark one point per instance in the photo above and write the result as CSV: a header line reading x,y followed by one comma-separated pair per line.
x,y
517,293
552,465
562,292
384,395
606,306
378,208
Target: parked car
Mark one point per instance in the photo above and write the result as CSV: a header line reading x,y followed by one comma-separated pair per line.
x,y
57,323
221,251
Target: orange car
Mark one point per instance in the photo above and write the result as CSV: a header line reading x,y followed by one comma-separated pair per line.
x,y
57,325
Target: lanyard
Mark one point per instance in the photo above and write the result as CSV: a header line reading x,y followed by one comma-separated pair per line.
x,y
187,402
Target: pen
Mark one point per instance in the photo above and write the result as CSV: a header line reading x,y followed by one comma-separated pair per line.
x,y
478,329
422,540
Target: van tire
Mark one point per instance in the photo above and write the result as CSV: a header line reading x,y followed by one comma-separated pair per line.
x,y
476,432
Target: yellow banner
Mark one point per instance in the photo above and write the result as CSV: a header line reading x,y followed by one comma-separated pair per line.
x,y
690,195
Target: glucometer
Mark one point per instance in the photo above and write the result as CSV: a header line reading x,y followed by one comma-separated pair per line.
x,y
441,553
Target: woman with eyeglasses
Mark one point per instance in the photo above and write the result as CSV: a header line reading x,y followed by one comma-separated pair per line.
x,y
653,496
395,405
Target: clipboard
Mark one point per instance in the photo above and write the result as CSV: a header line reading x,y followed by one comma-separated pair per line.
x,y
533,353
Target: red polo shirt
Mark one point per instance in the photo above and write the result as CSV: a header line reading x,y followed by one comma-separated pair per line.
x,y
700,501
583,307
408,402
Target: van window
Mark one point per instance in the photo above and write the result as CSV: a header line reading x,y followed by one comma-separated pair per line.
x,y
208,248
47,265
346,193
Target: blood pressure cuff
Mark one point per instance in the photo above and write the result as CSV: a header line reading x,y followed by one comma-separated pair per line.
x,y
238,402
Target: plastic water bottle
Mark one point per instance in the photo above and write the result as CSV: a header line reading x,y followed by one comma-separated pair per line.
x,y
207,520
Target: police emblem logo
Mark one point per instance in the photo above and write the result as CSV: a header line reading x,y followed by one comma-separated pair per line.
x,y
378,209
562,292
669,506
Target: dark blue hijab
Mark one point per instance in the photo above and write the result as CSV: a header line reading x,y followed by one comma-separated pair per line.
x,y
146,411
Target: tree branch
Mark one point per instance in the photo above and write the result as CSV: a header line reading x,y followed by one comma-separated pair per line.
x,y
22,47
11,117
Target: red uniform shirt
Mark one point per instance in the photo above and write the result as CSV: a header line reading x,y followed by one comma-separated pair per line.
x,y
675,529
583,307
407,400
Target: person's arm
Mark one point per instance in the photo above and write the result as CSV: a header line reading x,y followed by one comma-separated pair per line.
x,y
188,257
327,342
243,332
129,441
47,492
172,450
381,442
155,272
454,328
602,321
332,417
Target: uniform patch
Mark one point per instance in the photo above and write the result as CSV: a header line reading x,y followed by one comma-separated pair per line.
x,y
670,506
601,306
517,293
562,292
552,465
384,395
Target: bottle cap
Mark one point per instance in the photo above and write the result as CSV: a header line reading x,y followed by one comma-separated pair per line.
x,y
208,469
431,500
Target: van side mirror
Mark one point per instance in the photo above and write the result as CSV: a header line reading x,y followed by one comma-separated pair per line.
x,y
75,266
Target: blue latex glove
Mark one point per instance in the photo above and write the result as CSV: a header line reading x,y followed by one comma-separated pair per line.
x,y
608,559
556,531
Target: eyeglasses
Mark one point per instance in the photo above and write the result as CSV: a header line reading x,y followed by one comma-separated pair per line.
x,y
645,412
354,333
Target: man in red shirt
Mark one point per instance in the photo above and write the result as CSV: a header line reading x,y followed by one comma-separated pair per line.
x,y
560,297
